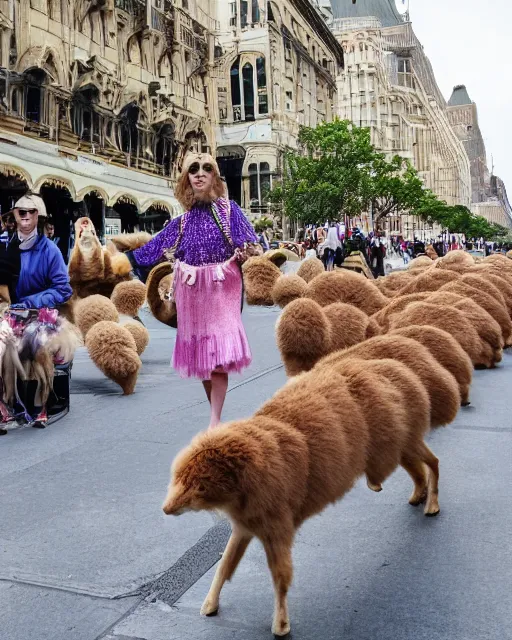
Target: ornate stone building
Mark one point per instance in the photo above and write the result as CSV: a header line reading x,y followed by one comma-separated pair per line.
x,y
388,85
488,193
276,65
99,101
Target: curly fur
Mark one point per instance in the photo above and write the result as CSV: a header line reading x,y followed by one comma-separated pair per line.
x,y
128,242
458,261
391,284
421,262
487,328
346,286
446,350
93,270
128,297
113,350
138,331
260,275
62,345
451,320
501,280
431,279
303,335
488,302
397,305
158,288
288,288
440,384
349,325
285,464
93,309
310,268
500,260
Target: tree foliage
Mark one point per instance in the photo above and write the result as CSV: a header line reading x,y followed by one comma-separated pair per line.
x,y
336,172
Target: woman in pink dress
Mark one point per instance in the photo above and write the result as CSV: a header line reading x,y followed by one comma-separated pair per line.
x,y
208,243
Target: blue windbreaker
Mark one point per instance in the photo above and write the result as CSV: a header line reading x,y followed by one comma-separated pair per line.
x,y
44,280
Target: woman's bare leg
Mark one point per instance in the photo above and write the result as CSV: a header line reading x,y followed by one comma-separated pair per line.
x,y
207,384
218,395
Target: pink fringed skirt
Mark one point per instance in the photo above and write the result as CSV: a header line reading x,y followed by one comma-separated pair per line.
x,y
210,330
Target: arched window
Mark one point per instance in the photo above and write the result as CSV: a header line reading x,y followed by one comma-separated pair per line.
x,y
128,130
248,80
35,96
244,89
165,149
86,122
260,183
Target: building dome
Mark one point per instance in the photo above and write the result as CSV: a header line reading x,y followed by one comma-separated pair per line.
x,y
384,10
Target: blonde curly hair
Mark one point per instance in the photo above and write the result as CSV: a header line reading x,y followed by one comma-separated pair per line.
x,y
184,192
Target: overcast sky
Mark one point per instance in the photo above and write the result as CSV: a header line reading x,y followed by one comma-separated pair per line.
x,y
468,42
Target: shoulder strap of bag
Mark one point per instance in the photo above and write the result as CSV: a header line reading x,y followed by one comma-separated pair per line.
x,y
224,228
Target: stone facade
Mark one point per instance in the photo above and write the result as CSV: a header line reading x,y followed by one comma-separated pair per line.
x,y
275,69
102,99
389,86
488,193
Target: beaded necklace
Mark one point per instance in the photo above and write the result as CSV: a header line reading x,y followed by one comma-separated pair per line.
x,y
223,224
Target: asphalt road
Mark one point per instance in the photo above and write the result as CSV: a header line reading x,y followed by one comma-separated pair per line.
x,y
86,553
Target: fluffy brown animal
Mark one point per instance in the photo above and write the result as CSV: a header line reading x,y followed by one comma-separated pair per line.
x,y
397,305
421,262
494,306
429,280
138,332
394,282
128,242
113,350
458,261
346,286
272,472
451,320
447,351
306,332
501,280
487,328
303,334
288,288
310,268
128,297
92,270
158,290
441,386
500,260
93,309
260,275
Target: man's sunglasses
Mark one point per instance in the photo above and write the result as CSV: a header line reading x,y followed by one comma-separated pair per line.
x,y
25,212
195,167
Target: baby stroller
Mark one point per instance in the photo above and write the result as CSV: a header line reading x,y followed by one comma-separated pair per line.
x,y
36,367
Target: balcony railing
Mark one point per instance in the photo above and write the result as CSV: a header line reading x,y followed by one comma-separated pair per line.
x,y
134,8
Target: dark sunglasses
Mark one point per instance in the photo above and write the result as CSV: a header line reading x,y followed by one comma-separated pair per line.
x,y
195,167
24,212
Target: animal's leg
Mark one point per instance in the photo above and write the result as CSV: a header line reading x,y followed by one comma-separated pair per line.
x,y
235,549
416,469
373,483
218,395
279,559
207,385
432,505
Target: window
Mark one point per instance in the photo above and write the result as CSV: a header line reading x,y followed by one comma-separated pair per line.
x,y
260,183
244,10
255,11
262,86
289,100
248,80
249,94
405,77
233,12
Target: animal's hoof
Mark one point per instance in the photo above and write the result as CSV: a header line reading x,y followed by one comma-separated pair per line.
x,y
374,487
418,498
465,404
432,512
281,628
209,609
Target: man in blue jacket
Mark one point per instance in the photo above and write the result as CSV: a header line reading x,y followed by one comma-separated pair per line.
x,y
43,279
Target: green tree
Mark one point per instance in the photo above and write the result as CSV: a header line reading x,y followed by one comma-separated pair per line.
x,y
394,186
328,176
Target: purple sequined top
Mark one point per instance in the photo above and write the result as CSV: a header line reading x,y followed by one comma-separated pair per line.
x,y
202,242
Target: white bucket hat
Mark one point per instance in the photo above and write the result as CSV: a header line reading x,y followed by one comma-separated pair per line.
x,y
32,202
